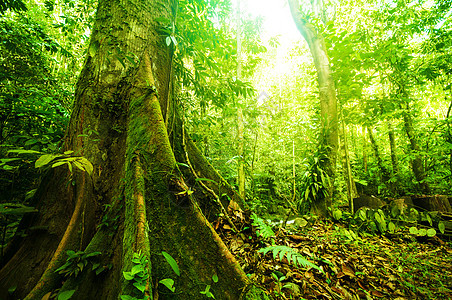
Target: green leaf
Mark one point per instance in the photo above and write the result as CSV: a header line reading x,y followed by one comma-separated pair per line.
x,y
20,151
59,163
205,179
206,290
422,232
171,262
93,254
431,232
66,295
44,160
140,286
95,266
215,278
173,38
391,227
137,269
127,275
429,219
183,165
168,41
441,227
168,282
337,214
413,230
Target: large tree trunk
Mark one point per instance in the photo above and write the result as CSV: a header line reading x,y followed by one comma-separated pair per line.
x,y
328,103
118,124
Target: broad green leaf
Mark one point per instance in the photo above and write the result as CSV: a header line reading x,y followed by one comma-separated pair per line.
x,y
422,232
215,278
45,159
414,230
59,163
431,232
127,275
169,283
136,269
172,263
391,227
66,295
140,286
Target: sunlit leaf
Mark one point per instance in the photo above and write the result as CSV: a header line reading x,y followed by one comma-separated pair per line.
x,y
172,262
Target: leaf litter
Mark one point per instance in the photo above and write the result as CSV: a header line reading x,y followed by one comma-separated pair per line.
x,y
351,266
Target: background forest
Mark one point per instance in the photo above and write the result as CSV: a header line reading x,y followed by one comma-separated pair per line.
x,y
249,98
390,63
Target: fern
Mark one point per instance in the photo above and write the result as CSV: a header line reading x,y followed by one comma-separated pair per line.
x,y
293,257
263,229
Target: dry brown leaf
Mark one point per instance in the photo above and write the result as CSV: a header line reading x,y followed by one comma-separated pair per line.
x,y
347,270
377,294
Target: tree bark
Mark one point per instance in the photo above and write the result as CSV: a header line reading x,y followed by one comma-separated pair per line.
x,y
118,123
385,176
416,163
392,146
240,127
328,103
351,186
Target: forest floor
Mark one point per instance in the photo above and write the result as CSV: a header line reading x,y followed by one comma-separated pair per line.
x,y
359,267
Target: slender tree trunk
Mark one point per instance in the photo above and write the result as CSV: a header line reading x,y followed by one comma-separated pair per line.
x,y
121,105
328,103
416,163
363,130
392,146
240,128
253,182
351,186
448,136
385,175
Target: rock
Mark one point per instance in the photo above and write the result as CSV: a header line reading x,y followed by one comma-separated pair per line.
x,y
367,201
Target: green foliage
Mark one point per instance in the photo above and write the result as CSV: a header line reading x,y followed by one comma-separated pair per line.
x,y
315,180
32,110
13,5
66,295
110,218
55,160
207,292
78,261
373,221
171,262
168,282
263,229
138,277
292,256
